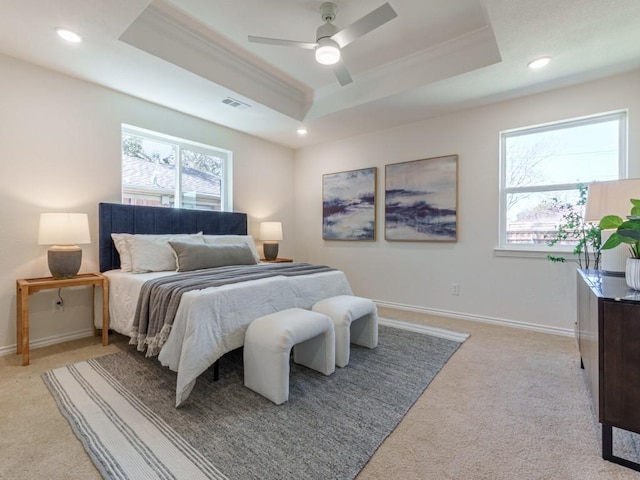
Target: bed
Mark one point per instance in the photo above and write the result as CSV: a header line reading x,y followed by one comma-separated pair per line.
x,y
209,320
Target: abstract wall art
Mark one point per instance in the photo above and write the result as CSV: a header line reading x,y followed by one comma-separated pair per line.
x,y
349,205
421,200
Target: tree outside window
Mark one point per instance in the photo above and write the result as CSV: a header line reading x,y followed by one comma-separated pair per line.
x,y
542,170
163,171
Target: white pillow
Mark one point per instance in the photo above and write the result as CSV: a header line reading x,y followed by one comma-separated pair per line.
x,y
152,253
233,239
120,241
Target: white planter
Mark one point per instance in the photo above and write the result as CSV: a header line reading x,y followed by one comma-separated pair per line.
x,y
632,273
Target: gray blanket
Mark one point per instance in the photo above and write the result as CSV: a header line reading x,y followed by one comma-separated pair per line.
x,y
159,298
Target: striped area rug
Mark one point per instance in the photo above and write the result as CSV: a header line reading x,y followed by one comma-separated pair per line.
x,y
124,438
120,406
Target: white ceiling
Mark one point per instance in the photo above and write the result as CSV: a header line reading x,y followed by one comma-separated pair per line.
x,y
436,56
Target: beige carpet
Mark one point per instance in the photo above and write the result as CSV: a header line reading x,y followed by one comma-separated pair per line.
x,y
510,404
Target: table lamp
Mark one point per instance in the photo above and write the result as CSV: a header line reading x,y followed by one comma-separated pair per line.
x,y
270,233
611,198
64,231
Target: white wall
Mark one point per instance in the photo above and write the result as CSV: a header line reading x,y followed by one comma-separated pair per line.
x,y
60,151
418,276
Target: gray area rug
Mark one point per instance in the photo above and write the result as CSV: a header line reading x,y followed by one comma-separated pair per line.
x,y
329,429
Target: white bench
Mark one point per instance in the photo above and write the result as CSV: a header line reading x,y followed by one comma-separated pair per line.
x,y
355,320
267,348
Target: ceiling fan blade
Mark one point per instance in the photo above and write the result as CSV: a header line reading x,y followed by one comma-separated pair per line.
x,y
342,74
371,21
283,43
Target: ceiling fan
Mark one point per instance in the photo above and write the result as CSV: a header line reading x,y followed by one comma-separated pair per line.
x,y
329,40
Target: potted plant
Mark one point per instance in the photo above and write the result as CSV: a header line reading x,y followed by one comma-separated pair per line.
x,y
626,231
574,228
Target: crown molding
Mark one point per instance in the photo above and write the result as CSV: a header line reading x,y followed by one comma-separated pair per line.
x,y
167,33
465,53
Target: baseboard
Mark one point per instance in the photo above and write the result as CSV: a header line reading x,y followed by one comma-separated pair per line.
x,y
564,332
437,332
45,342
420,328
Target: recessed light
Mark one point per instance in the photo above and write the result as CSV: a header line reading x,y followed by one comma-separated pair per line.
x,y
302,131
539,63
68,35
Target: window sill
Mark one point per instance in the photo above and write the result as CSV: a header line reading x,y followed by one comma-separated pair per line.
x,y
523,253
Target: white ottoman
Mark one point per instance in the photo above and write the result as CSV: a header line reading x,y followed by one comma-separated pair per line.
x,y
267,348
355,320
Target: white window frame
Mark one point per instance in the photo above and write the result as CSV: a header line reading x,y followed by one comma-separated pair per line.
x,y
539,251
226,186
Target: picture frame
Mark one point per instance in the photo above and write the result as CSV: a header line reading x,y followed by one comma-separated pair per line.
x,y
421,200
349,205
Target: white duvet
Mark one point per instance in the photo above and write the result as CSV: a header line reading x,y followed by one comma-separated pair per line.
x,y
213,321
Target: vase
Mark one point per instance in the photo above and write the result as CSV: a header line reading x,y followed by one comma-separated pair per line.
x,y
632,273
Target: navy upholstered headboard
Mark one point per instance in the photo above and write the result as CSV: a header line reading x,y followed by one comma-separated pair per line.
x,y
119,218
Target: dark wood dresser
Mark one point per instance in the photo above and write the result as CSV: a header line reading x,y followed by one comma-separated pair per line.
x,y
609,342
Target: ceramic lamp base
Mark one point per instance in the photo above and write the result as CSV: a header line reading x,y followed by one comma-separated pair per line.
x,y
270,250
64,261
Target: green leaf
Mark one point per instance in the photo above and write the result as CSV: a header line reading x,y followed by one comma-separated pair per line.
x,y
610,221
630,225
635,202
629,236
614,240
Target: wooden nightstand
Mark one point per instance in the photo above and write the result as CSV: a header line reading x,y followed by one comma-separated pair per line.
x,y
277,260
27,286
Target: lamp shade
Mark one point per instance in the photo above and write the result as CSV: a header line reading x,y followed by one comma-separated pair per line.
x,y
271,231
611,198
63,229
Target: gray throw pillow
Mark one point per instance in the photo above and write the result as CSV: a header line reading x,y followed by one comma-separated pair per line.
x,y
192,256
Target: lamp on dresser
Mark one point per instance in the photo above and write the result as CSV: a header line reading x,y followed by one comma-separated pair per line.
x,y
64,231
270,234
611,198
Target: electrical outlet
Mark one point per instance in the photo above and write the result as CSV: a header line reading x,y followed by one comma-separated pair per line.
x,y
455,289
58,305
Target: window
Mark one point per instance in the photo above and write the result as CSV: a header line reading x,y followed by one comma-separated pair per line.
x,y
165,171
542,167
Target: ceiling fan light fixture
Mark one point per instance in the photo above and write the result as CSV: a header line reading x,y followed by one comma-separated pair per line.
x,y
327,52
329,39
